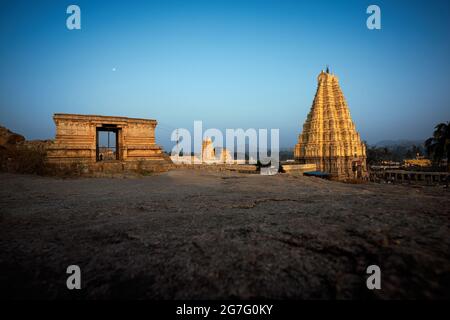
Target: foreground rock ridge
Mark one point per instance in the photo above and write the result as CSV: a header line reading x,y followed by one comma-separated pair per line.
x,y
193,234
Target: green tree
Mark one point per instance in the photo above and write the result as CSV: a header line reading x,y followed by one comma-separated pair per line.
x,y
438,146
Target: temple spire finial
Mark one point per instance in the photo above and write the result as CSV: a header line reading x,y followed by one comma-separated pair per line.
x,y
328,69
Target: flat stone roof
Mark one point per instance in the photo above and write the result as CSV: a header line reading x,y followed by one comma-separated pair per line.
x,y
99,118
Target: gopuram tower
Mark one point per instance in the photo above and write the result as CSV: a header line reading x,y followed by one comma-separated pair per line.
x,y
329,138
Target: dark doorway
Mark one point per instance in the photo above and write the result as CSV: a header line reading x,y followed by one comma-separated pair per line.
x,y
107,143
357,168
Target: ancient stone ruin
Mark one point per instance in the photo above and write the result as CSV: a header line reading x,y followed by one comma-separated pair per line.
x,y
211,156
225,156
99,142
329,138
208,151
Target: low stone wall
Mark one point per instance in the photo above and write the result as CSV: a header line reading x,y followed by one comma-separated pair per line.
x,y
409,177
298,168
109,168
241,168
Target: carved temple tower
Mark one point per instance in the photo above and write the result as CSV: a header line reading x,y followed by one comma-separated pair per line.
x,y
329,138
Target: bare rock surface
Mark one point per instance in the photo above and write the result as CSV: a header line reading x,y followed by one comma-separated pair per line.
x,y
189,234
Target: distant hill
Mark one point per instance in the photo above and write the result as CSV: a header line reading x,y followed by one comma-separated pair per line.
x,y
399,143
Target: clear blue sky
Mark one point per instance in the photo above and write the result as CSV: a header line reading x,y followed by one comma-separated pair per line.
x,y
232,64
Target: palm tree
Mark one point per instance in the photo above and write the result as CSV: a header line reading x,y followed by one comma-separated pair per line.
x,y
438,146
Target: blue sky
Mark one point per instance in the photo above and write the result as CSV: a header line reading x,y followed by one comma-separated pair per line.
x,y
231,64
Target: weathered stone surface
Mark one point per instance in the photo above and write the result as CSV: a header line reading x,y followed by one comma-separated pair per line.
x,y
329,138
197,234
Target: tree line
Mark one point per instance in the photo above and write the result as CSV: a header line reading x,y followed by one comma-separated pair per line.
x,y
436,148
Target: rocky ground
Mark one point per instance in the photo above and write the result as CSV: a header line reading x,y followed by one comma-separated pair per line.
x,y
189,234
